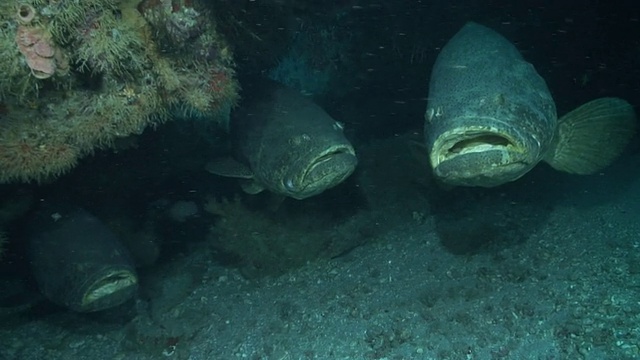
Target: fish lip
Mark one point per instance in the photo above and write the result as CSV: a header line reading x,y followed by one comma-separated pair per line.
x,y
113,287
304,190
480,156
329,154
462,141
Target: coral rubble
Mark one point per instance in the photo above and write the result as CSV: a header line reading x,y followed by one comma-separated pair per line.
x,y
77,75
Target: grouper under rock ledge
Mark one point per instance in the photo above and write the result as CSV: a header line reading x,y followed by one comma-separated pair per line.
x,y
285,143
490,117
76,260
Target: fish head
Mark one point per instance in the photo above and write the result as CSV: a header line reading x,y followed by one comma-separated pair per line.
x,y
293,146
318,170
490,116
484,153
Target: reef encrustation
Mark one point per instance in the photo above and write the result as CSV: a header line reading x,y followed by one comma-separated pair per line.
x,y
78,75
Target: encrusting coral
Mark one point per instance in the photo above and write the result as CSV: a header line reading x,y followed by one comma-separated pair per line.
x,y
78,75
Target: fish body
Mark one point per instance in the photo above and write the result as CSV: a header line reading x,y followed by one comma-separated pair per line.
x,y
491,118
77,261
285,143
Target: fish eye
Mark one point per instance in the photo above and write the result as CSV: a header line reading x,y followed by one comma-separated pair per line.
x,y
430,113
288,184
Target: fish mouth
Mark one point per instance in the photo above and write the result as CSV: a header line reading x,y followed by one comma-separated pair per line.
x,y
484,157
110,288
327,170
330,155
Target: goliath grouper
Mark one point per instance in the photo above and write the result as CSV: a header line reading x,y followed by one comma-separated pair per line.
x,y
285,143
77,261
490,117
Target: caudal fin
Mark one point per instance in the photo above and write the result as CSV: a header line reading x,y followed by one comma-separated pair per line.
x,y
590,137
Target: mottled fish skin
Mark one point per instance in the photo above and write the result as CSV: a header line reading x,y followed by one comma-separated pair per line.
x,y
293,147
490,117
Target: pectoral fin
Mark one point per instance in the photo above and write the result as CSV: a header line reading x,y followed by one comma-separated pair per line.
x,y
229,167
251,187
590,137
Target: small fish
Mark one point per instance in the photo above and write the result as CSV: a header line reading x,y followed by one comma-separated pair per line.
x,y
285,143
490,117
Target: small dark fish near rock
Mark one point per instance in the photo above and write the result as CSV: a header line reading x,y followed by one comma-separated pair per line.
x,y
490,117
285,143
77,261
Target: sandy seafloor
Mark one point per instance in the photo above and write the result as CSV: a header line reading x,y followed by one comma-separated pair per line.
x,y
545,268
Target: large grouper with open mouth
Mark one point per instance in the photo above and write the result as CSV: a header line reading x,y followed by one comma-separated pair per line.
x,y
490,117
285,143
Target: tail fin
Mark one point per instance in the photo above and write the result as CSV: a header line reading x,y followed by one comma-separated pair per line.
x,y
590,137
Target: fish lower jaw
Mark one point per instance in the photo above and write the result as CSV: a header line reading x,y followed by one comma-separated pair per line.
x,y
490,176
484,160
484,168
325,172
